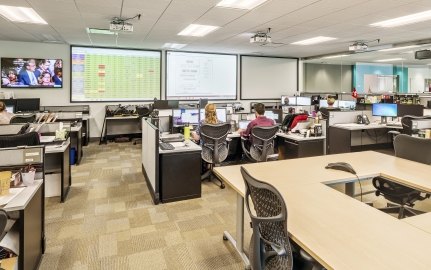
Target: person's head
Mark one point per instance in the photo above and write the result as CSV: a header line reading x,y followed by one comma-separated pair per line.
x,y
58,63
331,100
45,77
11,74
44,64
286,101
2,106
58,72
211,114
259,108
30,65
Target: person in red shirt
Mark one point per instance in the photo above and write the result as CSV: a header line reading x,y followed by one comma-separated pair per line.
x,y
261,120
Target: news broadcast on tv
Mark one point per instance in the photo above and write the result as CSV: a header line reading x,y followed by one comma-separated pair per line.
x,y
31,73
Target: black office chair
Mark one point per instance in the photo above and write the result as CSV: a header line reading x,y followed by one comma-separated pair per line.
x,y
3,220
261,143
215,147
269,245
27,139
411,148
17,119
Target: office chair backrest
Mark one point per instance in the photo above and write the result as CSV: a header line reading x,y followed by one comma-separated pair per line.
x,y
262,142
407,122
28,139
269,224
3,220
16,119
413,148
214,147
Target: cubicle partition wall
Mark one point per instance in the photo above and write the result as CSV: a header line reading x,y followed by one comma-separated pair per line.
x,y
150,157
27,206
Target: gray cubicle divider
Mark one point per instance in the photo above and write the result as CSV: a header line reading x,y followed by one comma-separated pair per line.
x,y
10,129
150,157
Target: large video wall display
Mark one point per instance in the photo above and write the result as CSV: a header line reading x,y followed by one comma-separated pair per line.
x,y
110,74
191,76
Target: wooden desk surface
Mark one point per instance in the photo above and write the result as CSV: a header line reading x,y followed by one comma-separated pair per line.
x,y
340,231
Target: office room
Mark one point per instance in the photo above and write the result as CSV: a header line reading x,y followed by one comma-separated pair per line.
x,y
215,134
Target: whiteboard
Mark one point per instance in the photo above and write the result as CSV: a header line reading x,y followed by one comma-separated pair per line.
x,y
191,76
268,77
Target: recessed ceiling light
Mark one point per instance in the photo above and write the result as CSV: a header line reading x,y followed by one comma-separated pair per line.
x,y
399,48
174,45
240,4
390,60
21,14
335,56
100,31
312,41
404,20
197,30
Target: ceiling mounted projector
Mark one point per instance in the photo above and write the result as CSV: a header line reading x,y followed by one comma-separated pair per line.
x,y
121,26
423,54
261,38
358,46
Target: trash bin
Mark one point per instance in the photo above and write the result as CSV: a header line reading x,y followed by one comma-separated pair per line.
x,y
72,156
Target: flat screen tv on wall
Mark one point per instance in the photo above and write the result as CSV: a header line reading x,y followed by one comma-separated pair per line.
x,y
31,73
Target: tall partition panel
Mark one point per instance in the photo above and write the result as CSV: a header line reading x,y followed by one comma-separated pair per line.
x,y
150,157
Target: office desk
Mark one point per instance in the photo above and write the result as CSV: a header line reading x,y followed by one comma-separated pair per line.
x,y
345,138
298,146
179,172
129,125
58,174
30,207
341,232
76,141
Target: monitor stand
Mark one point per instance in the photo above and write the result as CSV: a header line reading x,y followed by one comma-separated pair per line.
x,y
384,120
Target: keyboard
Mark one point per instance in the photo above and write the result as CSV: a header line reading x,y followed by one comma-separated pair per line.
x,y
166,146
394,124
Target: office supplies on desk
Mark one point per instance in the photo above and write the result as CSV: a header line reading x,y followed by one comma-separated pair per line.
x,y
166,146
362,119
47,139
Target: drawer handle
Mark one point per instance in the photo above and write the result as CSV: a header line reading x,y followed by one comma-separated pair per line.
x,y
289,142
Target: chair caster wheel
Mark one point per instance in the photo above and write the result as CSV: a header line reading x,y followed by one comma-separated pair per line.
x,y
224,238
222,186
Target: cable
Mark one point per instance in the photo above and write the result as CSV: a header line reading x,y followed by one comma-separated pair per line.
x,y
360,185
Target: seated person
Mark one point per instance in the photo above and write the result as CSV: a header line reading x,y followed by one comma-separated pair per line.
x,y
261,120
210,118
5,116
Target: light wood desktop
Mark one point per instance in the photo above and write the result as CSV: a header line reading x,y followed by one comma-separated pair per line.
x,y
337,230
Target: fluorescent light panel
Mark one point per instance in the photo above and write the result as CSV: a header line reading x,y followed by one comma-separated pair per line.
x,y
197,30
174,45
100,31
21,14
312,41
240,4
399,48
335,56
390,60
405,20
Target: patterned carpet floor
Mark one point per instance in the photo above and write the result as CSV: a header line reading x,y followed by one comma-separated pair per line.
x,y
110,222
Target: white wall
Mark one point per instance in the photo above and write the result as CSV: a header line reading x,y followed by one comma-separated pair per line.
x,y
59,97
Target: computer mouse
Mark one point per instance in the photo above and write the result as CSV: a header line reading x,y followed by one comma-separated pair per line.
x,y
341,166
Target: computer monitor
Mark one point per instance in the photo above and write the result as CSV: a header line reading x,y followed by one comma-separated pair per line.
x,y
10,108
181,117
27,105
303,101
221,114
160,104
385,110
242,124
347,105
173,104
275,114
288,101
323,103
410,109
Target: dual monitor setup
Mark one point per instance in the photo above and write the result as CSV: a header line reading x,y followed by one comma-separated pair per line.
x,y
385,110
323,103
